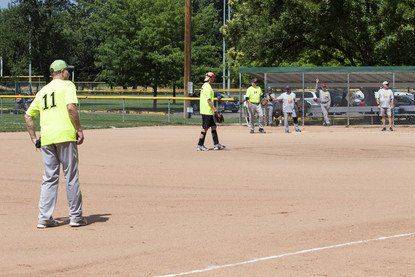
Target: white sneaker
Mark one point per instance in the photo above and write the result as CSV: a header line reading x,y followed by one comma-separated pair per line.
x,y
78,223
47,224
219,147
201,148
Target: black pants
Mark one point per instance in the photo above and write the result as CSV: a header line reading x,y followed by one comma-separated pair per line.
x,y
208,121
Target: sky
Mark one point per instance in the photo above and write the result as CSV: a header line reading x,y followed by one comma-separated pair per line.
x,y
3,3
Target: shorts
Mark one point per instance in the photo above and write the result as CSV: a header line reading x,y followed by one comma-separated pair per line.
x,y
208,121
385,111
293,113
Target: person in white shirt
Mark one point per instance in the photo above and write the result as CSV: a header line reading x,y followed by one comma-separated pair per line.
x,y
325,101
384,98
288,107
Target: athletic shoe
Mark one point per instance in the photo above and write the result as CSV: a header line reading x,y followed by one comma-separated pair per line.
x,y
219,147
391,129
47,224
79,223
252,131
261,130
201,148
383,129
298,130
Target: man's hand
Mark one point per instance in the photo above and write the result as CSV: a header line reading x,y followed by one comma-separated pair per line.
x,y
80,137
317,80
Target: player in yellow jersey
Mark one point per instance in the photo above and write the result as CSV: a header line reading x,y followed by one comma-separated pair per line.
x,y
207,110
61,132
253,99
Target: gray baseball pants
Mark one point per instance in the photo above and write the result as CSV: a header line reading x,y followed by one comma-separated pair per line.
x,y
286,124
270,110
55,155
325,107
256,109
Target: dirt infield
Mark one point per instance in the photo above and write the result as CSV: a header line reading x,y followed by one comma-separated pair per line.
x,y
156,206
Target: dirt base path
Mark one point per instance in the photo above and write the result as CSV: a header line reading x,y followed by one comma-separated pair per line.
x,y
156,206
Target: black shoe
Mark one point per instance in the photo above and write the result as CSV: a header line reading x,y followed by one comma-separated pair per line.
x,y
383,129
391,129
261,130
252,131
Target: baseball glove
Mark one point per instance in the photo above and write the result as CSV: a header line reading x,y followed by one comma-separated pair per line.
x,y
38,143
218,117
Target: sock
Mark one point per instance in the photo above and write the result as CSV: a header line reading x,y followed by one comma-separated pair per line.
x,y
202,139
215,137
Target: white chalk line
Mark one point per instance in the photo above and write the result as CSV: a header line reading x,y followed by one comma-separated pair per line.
x,y
215,267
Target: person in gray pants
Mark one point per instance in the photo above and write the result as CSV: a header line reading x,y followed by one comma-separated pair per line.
x,y
325,101
61,132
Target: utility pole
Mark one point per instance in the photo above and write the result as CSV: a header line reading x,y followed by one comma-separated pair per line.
x,y
224,49
229,66
187,55
30,54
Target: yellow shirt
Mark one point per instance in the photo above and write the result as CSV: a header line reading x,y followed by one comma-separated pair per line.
x,y
254,94
205,94
50,102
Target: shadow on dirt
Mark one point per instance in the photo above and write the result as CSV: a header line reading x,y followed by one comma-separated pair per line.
x,y
90,219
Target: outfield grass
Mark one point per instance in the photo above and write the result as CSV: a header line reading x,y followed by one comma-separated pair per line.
x,y
15,123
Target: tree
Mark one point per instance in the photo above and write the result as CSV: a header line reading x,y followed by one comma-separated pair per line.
x,y
306,32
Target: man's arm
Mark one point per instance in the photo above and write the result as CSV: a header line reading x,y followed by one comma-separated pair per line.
x,y
74,116
30,126
211,105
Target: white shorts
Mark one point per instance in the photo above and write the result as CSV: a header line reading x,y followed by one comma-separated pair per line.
x,y
385,111
293,113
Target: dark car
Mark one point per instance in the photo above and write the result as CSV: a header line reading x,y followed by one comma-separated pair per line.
x,y
403,100
229,106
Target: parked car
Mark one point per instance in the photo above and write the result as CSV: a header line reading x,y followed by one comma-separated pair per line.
x,y
402,93
403,100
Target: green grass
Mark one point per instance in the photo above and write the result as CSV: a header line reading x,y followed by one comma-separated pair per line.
x,y
15,123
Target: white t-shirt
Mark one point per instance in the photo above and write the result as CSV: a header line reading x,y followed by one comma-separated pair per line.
x,y
324,96
288,102
385,97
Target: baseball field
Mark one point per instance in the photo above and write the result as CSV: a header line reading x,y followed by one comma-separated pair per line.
x,y
327,202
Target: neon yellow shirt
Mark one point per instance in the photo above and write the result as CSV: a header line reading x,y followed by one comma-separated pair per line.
x,y
205,94
254,94
50,102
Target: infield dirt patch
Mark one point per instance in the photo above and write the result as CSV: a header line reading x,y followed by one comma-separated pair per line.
x,y
156,206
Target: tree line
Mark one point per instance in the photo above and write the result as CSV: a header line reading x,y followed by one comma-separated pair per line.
x,y
140,42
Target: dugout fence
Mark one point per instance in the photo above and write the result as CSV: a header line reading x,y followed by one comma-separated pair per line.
x,y
352,89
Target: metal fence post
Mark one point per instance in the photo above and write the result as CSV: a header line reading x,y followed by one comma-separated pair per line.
x,y
303,104
393,110
1,105
348,99
123,110
168,111
240,99
79,108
